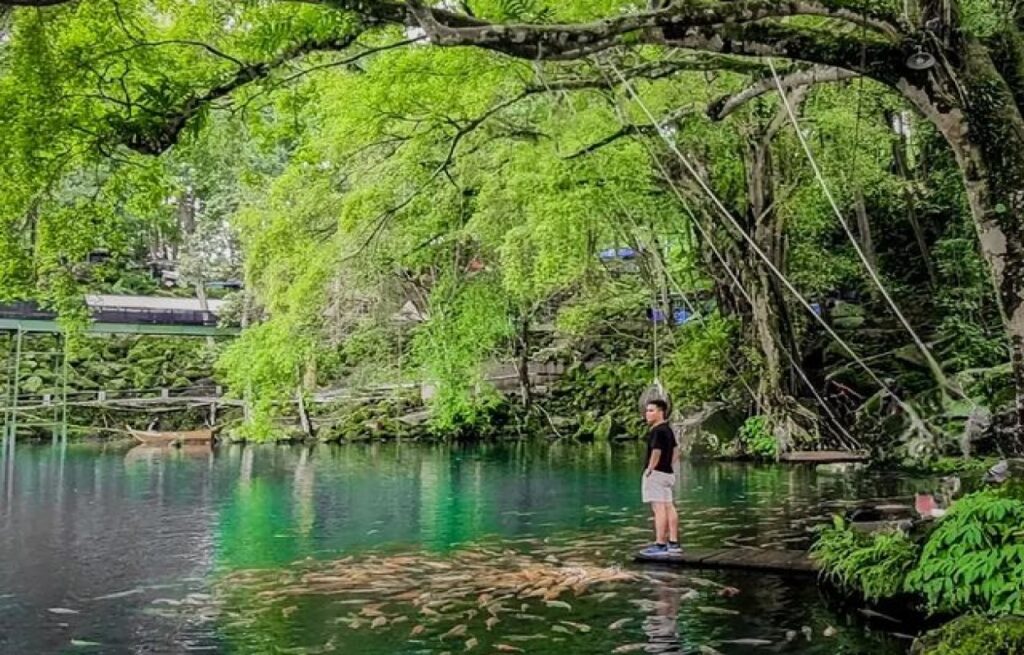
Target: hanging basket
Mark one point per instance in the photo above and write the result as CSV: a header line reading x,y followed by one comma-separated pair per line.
x,y
655,391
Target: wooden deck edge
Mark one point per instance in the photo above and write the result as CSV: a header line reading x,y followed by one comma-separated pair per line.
x,y
823,457
766,561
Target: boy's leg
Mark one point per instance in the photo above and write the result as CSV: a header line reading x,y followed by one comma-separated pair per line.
x,y
672,521
660,523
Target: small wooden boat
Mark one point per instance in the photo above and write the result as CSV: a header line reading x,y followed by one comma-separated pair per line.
x,y
175,438
147,453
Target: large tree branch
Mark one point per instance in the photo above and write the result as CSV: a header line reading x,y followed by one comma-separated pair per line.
x,y
381,11
654,70
149,136
725,105
884,62
631,129
575,41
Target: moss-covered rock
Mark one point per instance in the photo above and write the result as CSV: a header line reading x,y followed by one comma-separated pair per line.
x,y
974,635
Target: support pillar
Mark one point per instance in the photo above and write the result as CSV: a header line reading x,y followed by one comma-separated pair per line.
x,y
12,406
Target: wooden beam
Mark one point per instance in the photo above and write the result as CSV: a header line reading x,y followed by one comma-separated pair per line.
x,y
749,559
52,327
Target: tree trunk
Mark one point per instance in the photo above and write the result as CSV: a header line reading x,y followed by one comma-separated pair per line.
x,y
204,304
867,243
899,156
770,325
986,133
523,364
300,402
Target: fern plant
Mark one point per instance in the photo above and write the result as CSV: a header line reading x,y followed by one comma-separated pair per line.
x,y
875,565
974,560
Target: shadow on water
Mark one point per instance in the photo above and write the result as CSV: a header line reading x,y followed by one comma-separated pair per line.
x,y
400,548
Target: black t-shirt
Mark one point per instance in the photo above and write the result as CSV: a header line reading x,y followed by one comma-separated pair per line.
x,y
661,438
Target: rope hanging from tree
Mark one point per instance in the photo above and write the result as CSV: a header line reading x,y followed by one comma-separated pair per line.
x,y
656,390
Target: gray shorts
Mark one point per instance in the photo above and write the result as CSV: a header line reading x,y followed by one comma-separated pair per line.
x,y
658,487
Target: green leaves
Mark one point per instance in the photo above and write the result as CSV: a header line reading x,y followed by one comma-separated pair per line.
x,y
469,322
974,560
757,439
875,565
976,635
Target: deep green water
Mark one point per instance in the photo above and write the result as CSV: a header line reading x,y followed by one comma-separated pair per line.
x,y
347,549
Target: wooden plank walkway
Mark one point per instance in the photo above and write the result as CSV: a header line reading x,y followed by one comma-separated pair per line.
x,y
823,456
750,559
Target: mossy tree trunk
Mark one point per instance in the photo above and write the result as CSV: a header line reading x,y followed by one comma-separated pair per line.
x,y
746,287
977,108
770,322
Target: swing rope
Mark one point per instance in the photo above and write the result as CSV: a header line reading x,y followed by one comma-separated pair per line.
x,y
933,365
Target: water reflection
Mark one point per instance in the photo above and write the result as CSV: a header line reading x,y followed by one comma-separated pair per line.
x,y
128,548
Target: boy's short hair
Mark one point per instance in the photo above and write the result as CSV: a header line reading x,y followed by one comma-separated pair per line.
x,y
660,404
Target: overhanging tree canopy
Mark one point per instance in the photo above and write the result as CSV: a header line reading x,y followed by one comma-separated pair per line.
x,y
960,63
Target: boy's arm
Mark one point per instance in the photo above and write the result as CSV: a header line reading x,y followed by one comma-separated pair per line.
x,y
655,458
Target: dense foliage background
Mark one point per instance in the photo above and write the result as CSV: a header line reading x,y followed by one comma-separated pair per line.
x,y
404,213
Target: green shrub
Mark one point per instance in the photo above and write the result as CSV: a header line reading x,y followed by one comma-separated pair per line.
x,y
975,635
757,440
697,370
948,465
875,565
974,560
603,400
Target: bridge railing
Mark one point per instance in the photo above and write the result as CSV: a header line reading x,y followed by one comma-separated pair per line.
x,y
97,397
27,310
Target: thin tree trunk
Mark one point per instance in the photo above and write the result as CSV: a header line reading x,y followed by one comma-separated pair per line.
x,y
899,155
523,364
867,243
300,401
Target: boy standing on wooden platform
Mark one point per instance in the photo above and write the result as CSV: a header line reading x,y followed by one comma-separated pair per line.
x,y
659,479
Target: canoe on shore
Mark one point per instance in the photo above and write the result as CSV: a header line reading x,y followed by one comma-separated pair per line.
x,y
179,437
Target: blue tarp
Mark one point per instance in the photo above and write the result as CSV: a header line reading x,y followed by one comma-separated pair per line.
x,y
617,253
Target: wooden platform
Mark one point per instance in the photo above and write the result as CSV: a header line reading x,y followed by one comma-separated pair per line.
x,y
823,456
750,559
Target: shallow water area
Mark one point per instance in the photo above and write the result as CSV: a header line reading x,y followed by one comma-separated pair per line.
x,y
403,548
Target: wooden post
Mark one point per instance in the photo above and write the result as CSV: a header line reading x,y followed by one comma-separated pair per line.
x,y
13,423
8,387
64,389
307,429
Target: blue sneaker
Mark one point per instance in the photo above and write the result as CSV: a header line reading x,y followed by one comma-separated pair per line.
x,y
673,548
655,550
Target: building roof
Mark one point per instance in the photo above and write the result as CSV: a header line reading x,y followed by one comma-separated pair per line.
x,y
152,303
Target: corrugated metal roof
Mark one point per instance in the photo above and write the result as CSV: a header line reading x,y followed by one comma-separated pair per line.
x,y
108,301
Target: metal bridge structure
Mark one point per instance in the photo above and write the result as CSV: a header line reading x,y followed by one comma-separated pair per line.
x,y
108,314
